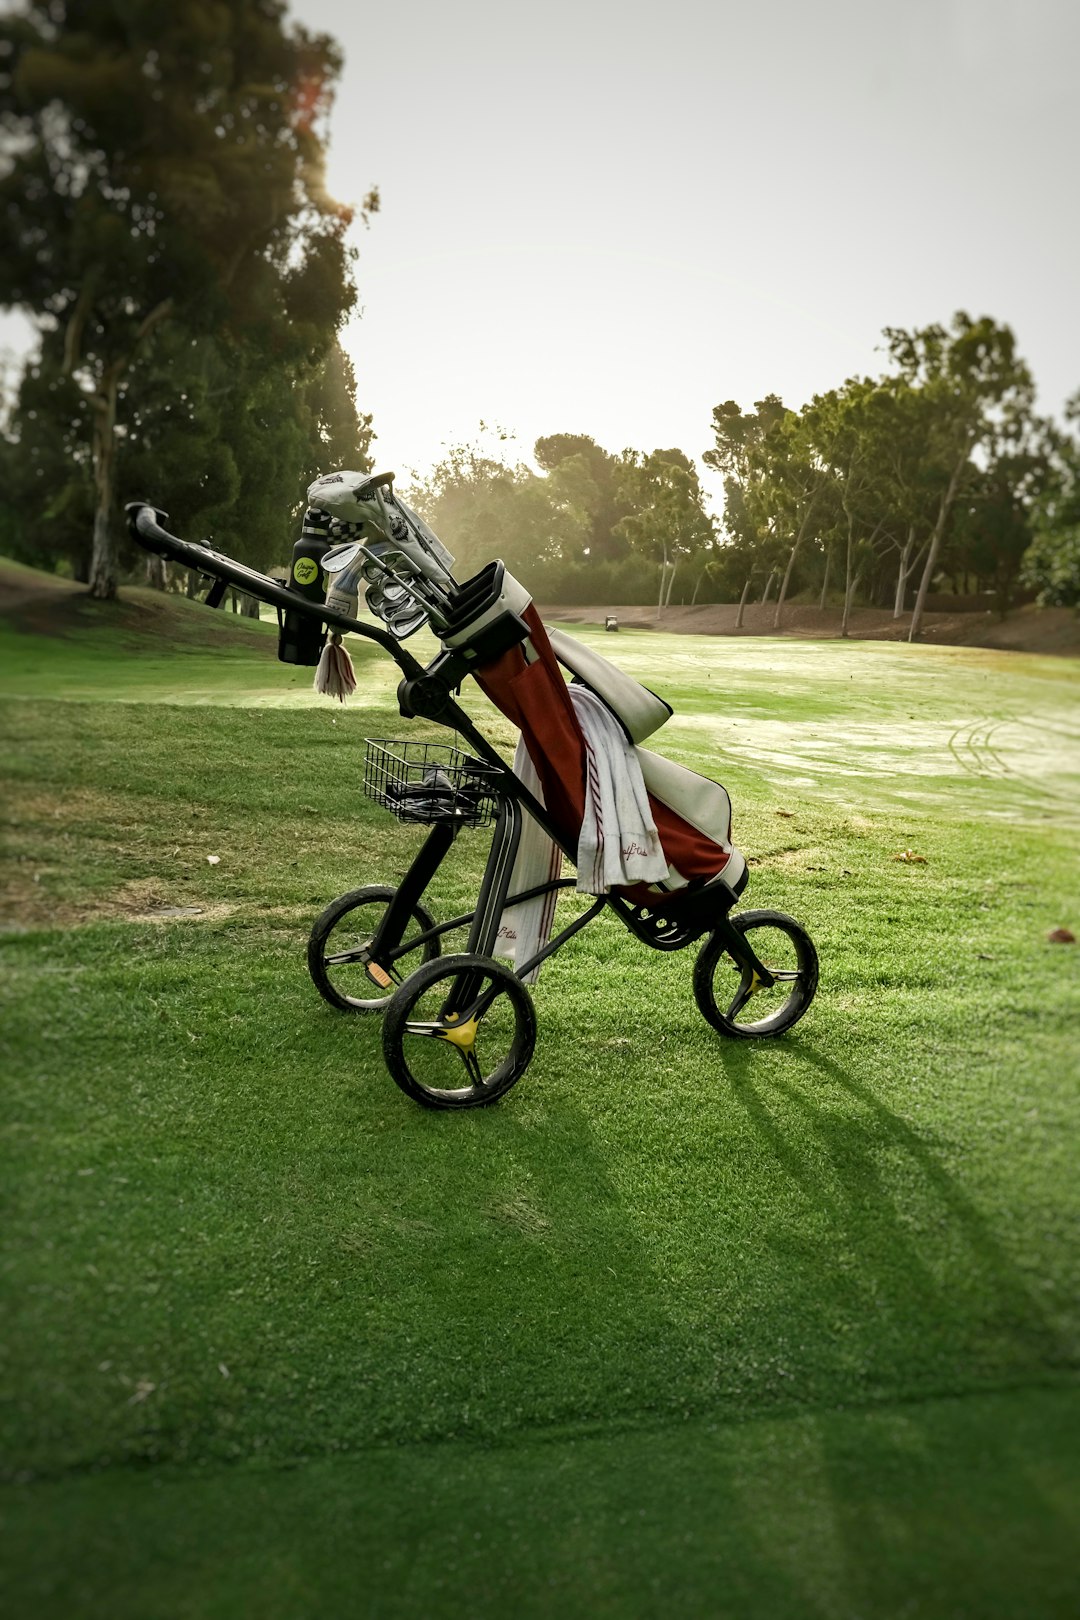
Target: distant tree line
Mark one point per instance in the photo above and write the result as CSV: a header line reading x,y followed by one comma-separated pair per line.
x,y
589,526
939,468
938,471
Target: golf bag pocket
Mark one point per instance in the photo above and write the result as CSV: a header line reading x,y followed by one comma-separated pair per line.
x,y
638,710
703,804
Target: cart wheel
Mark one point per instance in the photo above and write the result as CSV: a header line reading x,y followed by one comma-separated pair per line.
x,y
726,995
337,947
463,1018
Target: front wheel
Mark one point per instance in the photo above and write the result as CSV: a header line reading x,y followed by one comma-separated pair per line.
x,y
459,1032
338,955
736,1001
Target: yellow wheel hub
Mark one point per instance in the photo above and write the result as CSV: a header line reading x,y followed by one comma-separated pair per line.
x,y
463,1035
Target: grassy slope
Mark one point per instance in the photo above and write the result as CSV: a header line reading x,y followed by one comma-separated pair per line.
x,y
233,1244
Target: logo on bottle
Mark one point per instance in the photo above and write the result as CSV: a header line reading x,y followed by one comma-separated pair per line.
x,y
305,570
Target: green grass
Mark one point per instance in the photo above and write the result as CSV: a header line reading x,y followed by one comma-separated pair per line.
x,y
680,1325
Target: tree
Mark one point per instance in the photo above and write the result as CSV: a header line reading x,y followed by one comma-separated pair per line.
x,y
341,433
994,524
166,171
482,508
978,394
667,520
1052,565
741,452
797,478
850,429
46,481
586,479
907,479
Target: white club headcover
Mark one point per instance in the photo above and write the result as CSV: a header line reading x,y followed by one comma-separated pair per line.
x,y
386,521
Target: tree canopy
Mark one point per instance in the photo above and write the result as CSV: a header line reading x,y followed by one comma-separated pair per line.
x,y
170,232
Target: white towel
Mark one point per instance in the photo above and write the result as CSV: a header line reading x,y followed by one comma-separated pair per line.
x,y
618,843
526,929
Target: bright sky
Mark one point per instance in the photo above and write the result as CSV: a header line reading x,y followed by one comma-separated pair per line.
x,y
607,217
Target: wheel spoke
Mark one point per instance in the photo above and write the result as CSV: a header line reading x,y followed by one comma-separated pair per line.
x,y
472,1065
436,1030
742,996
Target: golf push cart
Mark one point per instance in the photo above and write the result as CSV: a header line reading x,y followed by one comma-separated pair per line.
x,y
651,840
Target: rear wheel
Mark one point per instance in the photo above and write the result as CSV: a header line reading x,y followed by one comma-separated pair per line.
x,y
459,1032
338,954
738,1003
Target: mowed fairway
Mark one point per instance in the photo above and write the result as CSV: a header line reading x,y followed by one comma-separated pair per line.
x,y
679,1327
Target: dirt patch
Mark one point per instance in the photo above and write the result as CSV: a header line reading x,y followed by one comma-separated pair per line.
x,y
1028,629
21,586
51,841
27,905
45,605
149,900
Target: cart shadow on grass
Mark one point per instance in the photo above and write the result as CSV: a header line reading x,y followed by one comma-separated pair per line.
x,y
890,1206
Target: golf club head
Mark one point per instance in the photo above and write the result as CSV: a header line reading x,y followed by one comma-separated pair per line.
x,y
427,536
395,592
340,557
404,621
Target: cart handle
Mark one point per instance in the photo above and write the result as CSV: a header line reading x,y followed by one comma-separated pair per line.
x,y
145,526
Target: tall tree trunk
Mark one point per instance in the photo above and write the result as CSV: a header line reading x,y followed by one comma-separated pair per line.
x,y
103,436
768,588
825,581
103,450
803,526
697,585
157,574
249,607
192,584
671,584
935,546
849,595
742,604
784,583
849,584
663,582
902,573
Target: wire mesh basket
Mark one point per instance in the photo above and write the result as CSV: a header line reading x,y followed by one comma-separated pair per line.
x,y
427,782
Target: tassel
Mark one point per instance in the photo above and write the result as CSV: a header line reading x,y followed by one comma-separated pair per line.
x,y
335,676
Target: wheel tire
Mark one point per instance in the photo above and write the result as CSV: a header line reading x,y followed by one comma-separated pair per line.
x,y
803,985
400,1044
320,969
